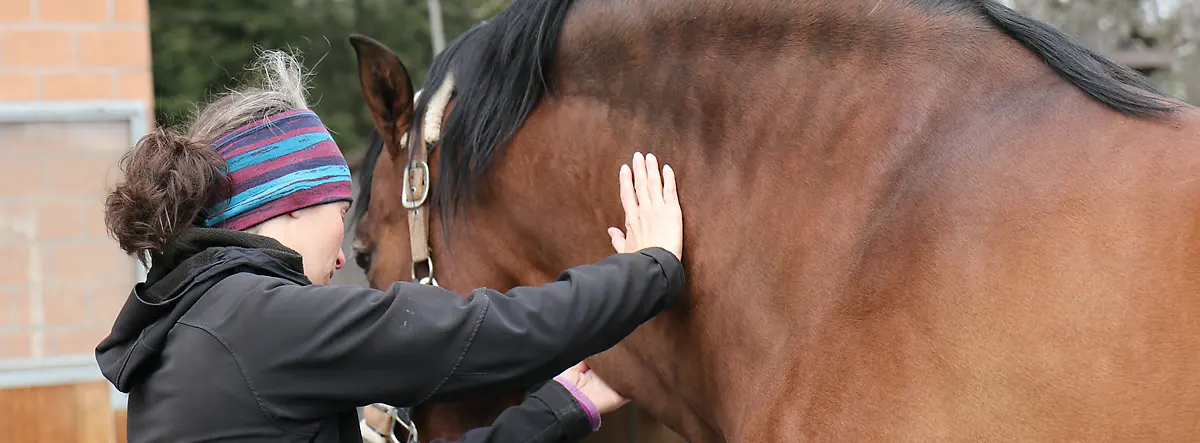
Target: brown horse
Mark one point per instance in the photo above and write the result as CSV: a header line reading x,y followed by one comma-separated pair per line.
x,y
906,220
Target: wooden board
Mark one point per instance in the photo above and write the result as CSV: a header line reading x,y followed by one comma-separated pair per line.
x,y
80,412
120,420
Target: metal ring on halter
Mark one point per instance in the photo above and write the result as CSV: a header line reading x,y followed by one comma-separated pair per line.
x,y
401,416
404,198
427,280
406,422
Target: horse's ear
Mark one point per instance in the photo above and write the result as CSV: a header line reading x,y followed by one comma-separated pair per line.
x,y
387,89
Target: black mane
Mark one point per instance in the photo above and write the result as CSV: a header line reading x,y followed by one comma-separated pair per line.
x,y
501,69
500,74
1110,83
366,174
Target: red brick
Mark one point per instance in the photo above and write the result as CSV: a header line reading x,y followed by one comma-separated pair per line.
x,y
37,48
55,220
73,11
15,345
65,304
106,302
20,175
18,11
79,85
15,86
129,48
18,223
75,341
135,85
92,211
14,308
21,314
131,11
111,136
15,270
92,262
84,175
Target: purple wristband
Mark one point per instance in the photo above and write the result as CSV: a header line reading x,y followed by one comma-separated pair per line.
x,y
593,414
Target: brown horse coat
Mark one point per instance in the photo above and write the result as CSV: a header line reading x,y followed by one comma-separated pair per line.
x,y
912,220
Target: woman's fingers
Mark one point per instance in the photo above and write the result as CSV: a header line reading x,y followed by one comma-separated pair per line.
x,y
618,240
670,192
651,203
639,180
653,181
628,198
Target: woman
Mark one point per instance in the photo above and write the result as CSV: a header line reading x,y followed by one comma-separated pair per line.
x,y
235,337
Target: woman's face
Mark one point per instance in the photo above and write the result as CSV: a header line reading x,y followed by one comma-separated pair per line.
x,y
319,232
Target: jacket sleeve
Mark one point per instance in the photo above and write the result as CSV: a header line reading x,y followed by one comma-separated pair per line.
x,y
551,414
308,351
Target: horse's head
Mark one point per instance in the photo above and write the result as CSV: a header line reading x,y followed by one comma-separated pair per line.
x,y
397,230
387,89
398,236
418,189
522,181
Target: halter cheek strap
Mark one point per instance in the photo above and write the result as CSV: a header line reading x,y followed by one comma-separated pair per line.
x,y
416,194
417,180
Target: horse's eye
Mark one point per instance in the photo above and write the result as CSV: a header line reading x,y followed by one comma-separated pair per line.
x,y
363,260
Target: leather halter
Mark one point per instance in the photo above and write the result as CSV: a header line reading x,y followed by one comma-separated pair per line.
x,y
417,179
416,193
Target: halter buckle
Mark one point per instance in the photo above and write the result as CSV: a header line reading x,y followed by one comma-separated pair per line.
x,y
406,200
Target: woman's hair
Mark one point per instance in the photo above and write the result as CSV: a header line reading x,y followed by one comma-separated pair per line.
x,y
171,177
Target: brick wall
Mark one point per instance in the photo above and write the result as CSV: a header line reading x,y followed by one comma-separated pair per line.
x,y
62,279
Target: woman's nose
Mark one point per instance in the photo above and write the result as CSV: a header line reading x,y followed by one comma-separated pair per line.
x,y
341,260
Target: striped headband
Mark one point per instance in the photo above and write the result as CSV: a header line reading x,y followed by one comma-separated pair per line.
x,y
283,163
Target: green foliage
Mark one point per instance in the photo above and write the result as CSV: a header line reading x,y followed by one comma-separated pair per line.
x,y
201,47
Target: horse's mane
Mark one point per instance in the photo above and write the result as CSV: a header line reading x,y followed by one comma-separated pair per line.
x,y
501,70
369,160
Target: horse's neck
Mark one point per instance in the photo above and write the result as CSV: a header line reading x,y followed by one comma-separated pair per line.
x,y
785,164
788,157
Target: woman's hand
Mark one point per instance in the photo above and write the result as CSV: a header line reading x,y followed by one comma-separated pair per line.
x,y
652,214
596,390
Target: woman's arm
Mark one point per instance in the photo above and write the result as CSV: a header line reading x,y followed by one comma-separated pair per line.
x,y
312,350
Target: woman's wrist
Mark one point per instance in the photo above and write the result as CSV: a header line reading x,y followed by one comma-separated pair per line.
x,y
593,413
